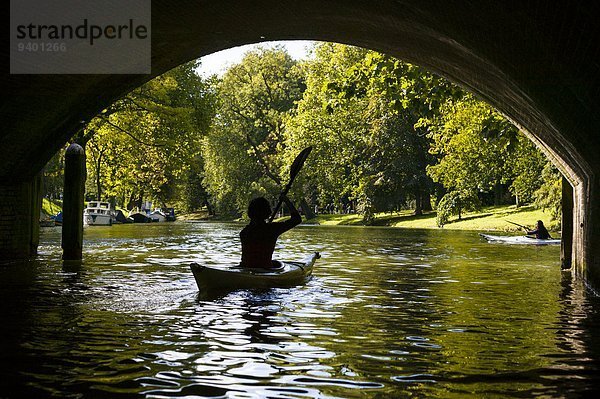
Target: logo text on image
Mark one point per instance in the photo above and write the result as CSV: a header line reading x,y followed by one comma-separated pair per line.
x,y
80,37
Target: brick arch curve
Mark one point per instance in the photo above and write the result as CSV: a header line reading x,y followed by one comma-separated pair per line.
x,y
536,63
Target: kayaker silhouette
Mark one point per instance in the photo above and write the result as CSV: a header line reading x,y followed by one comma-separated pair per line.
x,y
259,237
540,232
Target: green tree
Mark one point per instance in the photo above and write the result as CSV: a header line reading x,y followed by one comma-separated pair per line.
x,y
243,151
144,145
527,163
479,152
455,203
368,149
469,161
549,194
53,176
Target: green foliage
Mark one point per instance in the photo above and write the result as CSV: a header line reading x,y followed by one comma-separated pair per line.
x,y
386,135
548,196
382,130
146,145
468,160
367,148
478,150
53,176
193,194
243,150
455,203
527,163
51,207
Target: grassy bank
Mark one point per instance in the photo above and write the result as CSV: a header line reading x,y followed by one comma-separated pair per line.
x,y
50,207
489,218
194,216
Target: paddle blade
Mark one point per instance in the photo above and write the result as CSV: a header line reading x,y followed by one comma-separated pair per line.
x,y
294,170
299,162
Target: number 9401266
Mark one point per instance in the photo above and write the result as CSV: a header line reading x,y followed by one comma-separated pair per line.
x,y
34,47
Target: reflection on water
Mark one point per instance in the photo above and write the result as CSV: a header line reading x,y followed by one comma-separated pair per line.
x,y
389,313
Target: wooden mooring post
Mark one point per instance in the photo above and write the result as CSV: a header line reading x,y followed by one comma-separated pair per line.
x,y
72,228
566,250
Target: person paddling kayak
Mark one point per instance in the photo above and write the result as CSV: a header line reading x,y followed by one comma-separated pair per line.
x,y
259,237
540,232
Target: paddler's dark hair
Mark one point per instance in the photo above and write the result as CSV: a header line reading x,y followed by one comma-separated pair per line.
x,y
259,209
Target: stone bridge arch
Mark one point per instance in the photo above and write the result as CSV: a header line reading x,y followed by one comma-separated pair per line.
x,y
535,62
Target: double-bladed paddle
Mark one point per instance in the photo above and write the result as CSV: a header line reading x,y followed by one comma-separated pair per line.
x,y
520,225
294,170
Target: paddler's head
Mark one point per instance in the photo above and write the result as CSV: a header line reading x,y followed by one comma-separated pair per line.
x,y
259,209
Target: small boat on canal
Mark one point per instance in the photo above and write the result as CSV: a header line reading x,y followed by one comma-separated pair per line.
x,y
58,219
169,213
519,240
288,274
97,213
163,215
139,216
158,216
144,215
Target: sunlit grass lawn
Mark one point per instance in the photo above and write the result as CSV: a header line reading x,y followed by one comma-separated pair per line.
x,y
50,208
489,218
195,216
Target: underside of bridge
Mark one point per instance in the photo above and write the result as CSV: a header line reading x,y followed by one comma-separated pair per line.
x,y
536,62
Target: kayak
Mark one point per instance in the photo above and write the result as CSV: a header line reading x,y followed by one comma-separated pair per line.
x,y
520,240
286,275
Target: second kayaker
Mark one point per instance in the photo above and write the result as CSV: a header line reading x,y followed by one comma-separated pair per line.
x,y
540,232
259,237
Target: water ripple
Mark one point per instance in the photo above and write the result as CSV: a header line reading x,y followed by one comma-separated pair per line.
x,y
388,313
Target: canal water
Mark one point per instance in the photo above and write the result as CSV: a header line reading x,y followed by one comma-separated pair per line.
x,y
389,313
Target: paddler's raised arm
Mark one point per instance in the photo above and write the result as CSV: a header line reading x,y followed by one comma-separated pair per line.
x,y
295,218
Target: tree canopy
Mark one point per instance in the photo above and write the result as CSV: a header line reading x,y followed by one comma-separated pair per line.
x,y
147,144
244,148
387,135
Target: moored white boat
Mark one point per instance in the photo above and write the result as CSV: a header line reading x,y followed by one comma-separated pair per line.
x,y
97,213
521,240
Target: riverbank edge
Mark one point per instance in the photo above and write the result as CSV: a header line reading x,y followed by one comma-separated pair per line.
x,y
494,218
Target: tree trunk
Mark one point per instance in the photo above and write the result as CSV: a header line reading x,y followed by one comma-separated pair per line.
x,y
426,202
98,183
209,208
308,212
130,203
140,200
498,193
418,202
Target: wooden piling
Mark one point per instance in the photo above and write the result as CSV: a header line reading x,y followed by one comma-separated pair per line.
x,y
72,228
566,247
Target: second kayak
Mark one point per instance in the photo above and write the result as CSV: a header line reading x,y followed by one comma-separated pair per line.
x,y
520,240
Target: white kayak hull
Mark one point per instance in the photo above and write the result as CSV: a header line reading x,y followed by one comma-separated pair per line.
x,y
235,277
520,240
